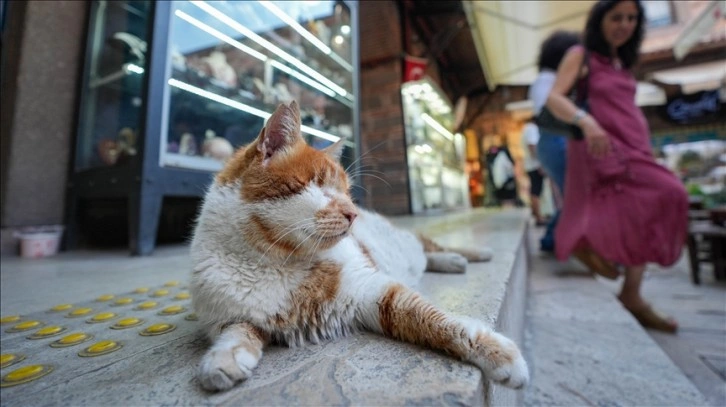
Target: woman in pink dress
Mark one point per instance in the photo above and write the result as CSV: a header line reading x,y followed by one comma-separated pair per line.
x,y
618,200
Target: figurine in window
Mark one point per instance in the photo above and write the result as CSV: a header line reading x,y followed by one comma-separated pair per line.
x,y
220,69
216,147
188,145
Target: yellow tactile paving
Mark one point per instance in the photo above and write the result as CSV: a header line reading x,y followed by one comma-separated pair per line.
x,y
9,359
47,332
25,374
160,293
79,312
182,296
127,323
10,318
72,339
100,348
61,307
172,310
102,317
158,329
123,301
147,305
162,301
24,326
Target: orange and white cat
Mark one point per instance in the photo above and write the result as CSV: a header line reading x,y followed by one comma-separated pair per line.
x,y
282,255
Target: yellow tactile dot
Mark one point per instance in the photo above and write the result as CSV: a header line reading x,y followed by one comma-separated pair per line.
x,y
24,326
61,307
79,312
123,301
25,374
192,317
171,284
182,296
147,305
127,323
102,317
8,359
160,293
10,318
100,348
47,332
172,310
106,297
72,339
141,290
158,329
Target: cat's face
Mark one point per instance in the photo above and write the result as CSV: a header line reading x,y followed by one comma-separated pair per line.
x,y
297,197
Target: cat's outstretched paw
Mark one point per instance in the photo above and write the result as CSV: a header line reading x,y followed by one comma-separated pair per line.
x,y
446,262
483,254
221,368
499,358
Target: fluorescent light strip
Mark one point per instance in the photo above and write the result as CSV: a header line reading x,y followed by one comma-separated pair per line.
x,y
302,78
243,107
229,40
305,33
134,68
297,27
437,126
186,17
269,46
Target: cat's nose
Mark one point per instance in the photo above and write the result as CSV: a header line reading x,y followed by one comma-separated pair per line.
x,y
350,216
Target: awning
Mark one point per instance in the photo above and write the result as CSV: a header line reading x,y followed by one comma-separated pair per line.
x,y
508,34
694,78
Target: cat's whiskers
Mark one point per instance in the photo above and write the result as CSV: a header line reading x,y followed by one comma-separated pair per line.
x,y
295,249
364,154
374,176
294,227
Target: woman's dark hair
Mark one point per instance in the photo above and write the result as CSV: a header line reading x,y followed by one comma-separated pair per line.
x,y
553,49
594,40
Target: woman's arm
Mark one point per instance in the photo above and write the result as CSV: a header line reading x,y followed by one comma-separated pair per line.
x,y
562,107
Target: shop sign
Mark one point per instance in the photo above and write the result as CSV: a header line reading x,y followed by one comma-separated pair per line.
x,y
415,68
700,107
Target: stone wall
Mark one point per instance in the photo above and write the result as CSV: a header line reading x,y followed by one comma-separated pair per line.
x,y
43,46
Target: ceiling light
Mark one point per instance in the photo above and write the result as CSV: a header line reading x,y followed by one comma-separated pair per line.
x,y
345,29
338,39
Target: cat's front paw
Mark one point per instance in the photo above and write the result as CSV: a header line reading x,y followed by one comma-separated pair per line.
x,y
499,358
222,368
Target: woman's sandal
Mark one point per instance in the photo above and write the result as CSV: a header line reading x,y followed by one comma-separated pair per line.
x,y
597,264
650,318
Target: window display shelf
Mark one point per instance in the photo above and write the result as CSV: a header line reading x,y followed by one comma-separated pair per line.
x,y
250,57
159,124
436,159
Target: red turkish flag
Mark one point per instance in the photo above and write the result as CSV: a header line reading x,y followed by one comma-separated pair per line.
x,y
415,68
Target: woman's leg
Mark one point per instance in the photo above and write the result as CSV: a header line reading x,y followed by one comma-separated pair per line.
x,y
642,311
630,292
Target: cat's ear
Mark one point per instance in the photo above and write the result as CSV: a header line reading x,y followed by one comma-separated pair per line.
x,y
335,150
281,132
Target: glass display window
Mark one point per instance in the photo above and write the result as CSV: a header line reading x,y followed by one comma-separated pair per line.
x,y
436,157
231,63
112,100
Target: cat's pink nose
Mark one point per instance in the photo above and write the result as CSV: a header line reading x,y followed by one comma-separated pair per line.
x,y
350,216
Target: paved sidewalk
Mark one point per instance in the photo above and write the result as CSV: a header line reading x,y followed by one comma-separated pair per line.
x,y
584,348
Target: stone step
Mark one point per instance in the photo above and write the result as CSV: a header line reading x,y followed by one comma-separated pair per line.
x,y
363,369
584,348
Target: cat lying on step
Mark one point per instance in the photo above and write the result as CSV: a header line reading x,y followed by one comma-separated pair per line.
x,y
282,255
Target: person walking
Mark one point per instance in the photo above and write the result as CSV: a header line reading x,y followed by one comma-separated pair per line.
x,y
530,138
618,200
551,147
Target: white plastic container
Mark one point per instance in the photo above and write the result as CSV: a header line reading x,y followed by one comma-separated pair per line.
x,y
39,242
